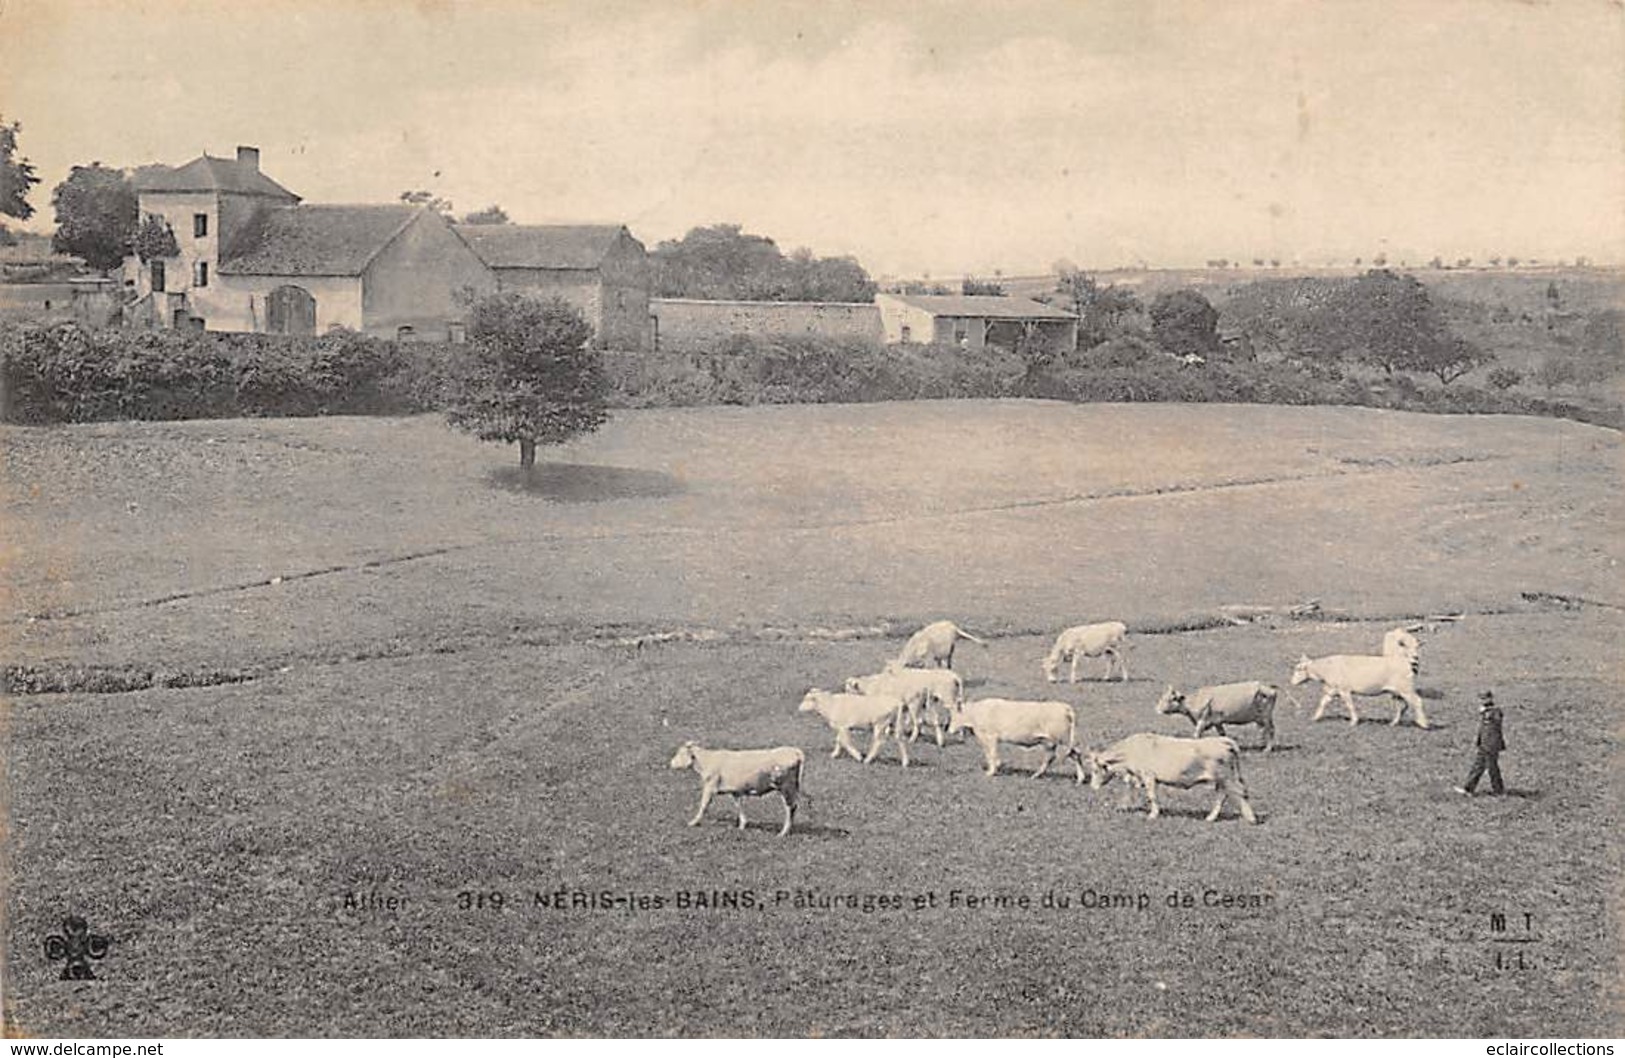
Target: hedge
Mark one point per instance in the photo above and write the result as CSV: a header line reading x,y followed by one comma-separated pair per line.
x,y
65,372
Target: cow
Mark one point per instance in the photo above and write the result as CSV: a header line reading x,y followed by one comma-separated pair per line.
x,y
932,647
882,713
744,773
1146,760
1228,703
1087,641
924,693
1050,725
1345,675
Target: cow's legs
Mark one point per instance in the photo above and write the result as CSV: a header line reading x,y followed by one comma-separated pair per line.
x,y
1269,734
1416,707
990,750
1240,790
739,806
836,752
902,748
1218,800
875,740
1077,656
789,795
707,791
1121,664
1151,795
843,740
1348,703
1325,700
1049,756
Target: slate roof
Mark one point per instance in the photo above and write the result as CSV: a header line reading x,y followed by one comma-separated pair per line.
x,y
316,240
985,306
211,174
580,246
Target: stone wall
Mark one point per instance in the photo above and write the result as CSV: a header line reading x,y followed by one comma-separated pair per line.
x,y
687,325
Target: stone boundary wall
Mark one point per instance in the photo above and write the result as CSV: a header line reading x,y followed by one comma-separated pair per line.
x,y
689,325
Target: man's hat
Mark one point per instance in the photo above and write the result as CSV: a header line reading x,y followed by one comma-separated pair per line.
x,y
1487,697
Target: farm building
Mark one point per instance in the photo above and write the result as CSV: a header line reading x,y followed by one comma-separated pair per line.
x,y
974,321
252,257
599,268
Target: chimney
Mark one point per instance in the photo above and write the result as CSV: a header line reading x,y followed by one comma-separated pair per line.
x,y
249,156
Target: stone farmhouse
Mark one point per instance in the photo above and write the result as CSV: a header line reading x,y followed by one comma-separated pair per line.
x,y
254,257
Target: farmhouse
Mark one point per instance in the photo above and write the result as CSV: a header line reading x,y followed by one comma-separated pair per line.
x,y
975,321
599,268
252,257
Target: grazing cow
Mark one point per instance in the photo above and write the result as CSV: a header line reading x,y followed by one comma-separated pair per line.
x,y
927,692
1229,703
1146,760
1345,675
1051,725
932,647
882,713
744,773
1400,643
1087,641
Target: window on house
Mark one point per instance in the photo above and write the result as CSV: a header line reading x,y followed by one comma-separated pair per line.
x,y
908,334
200,274
158,276
405,333
457,332
200,225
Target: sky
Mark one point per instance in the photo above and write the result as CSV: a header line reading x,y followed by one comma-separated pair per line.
x,y
924,138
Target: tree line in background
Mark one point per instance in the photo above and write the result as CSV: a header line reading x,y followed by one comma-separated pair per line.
x,y
724,262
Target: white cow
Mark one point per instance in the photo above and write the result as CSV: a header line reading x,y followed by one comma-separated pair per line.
x,y
744,773
932,647
1228,703
882,713
931,693
1051,725
1345,675
1087,641
1148,759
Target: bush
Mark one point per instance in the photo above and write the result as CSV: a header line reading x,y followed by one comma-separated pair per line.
x,y
65,372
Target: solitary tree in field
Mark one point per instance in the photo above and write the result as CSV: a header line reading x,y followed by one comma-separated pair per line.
x,y
95,215
529,374
16,175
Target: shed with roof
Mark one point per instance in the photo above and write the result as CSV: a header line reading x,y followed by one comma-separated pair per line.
x,y
975,321
599,268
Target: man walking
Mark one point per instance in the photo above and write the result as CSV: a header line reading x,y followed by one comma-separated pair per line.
x,y
1490,744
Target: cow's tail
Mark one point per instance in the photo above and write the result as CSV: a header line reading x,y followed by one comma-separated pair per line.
x,y
961,633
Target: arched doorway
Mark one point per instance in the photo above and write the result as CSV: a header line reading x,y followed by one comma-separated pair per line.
x,y
290,310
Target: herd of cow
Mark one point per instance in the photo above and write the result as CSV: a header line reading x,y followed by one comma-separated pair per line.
x,y
920,686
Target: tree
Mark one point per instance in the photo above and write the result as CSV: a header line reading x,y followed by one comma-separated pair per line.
x,y
154,239
725,262
1504,378
440,205
1103,312
95,216
1386,320
16,175
492,214
1183,322
1448,360
973,287
528,374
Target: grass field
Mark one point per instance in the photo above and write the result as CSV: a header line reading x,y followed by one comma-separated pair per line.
x,y
464,683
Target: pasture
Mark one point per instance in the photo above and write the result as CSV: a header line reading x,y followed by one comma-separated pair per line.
x,y
457,683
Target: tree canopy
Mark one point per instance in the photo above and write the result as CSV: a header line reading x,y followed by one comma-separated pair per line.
x,y
1185,324
17,175
529,374
724,262
154,239
1104,313
95,215
440,205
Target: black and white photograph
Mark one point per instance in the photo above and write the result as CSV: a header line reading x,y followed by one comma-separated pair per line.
x,y
708,519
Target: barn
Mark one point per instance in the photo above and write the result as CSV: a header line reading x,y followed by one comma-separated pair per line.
x,y
601,269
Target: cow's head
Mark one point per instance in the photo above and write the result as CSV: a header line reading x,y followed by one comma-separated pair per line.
x,y
1300,673
684,758
854,685
809,704
956,719
1100,770
1052,665
1171,701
